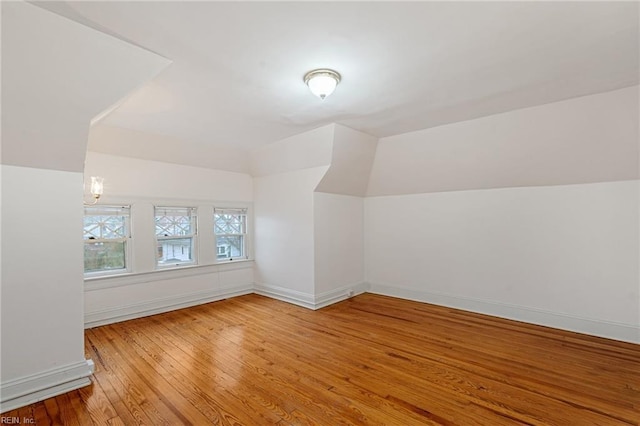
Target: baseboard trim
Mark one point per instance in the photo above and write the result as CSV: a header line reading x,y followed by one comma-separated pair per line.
x,y
158,306
306,300
611,330
618,331
334,296
37,387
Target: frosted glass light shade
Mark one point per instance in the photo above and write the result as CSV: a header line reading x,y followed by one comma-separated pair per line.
x,y
97,186
322,83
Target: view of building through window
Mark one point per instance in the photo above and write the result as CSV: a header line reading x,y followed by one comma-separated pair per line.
x,y
175,234
230,227
105,238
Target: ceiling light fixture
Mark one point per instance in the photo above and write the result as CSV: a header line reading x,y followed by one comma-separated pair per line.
x,y
322,82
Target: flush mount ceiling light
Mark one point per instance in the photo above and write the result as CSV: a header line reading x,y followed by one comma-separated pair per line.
x,y
322,82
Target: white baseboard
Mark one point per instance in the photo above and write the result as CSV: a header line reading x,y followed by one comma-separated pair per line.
x,y
37,387
308,300
157,306
611,330
330,297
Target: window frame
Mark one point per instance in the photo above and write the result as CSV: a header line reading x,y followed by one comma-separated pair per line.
x,y
126,239
240,211
193,236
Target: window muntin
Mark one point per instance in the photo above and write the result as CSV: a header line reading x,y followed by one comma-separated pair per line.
x,y
230,228
105,234
175,235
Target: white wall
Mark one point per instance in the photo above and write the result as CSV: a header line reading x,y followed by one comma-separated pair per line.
x,y
338,245
339,215
582,140
309,244
126,297
57,75
42,302
143,184
286,173
558,245
563,256
284,234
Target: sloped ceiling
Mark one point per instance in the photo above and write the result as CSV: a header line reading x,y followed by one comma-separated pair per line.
x,y
237,69
581,140
352,156
56,77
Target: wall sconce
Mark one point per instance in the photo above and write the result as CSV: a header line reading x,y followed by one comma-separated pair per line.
x,y
97,188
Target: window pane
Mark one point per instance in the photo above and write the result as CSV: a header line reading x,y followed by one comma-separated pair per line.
x,y
104,256
174,251
104,227
230,246
174,222
230,223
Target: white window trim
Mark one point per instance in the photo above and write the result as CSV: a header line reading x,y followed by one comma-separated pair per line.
x,y
245,240
193,236
127,243
141,244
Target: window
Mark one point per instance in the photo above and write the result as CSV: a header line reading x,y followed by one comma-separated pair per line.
x,y
175,235
230,227
106,230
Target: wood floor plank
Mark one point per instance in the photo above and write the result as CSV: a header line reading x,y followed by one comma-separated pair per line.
x,y
126,401
116,421
53,412
68,414
553,366
329,361
309,372
157,397
40,414
227,355
193,383
550,389
370,360
98,406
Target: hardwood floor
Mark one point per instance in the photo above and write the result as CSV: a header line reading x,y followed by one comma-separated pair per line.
x,y
372,360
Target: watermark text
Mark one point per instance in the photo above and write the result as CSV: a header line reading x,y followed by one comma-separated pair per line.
x,y
7,420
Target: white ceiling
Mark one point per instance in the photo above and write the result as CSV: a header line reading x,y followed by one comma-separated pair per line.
x,y
237,69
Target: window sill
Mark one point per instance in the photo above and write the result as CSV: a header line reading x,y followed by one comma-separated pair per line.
x,y
161,274
226,262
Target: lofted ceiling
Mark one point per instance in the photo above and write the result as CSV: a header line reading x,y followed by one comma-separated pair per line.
x,y
236,76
